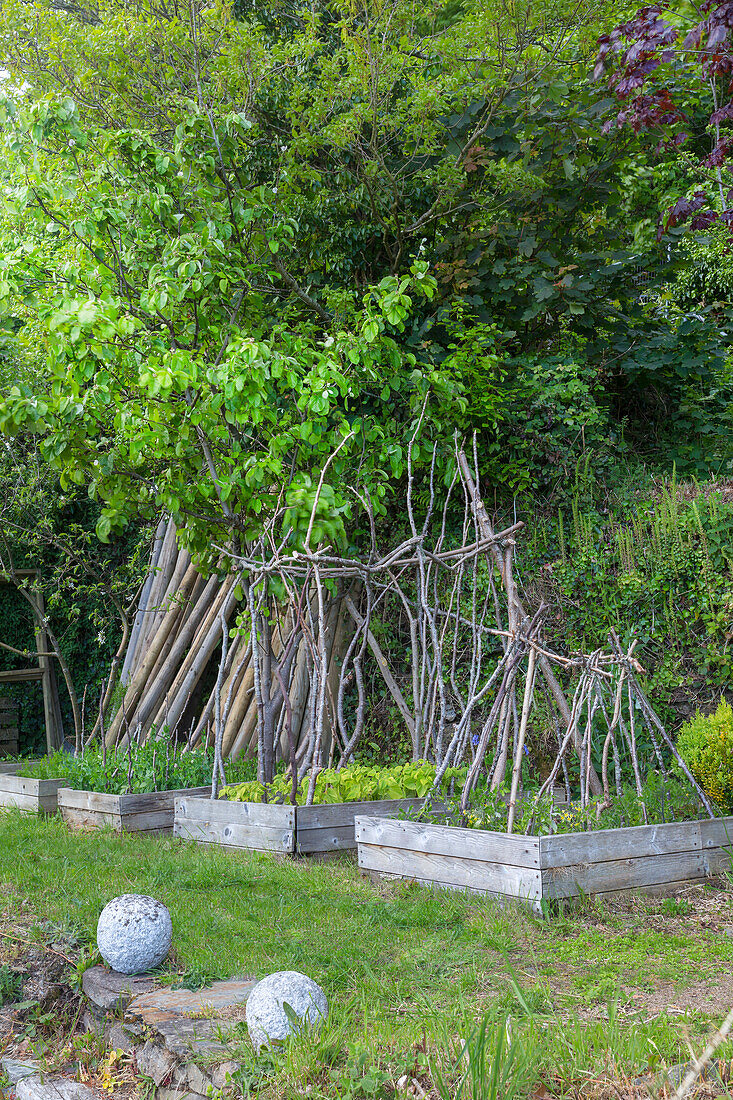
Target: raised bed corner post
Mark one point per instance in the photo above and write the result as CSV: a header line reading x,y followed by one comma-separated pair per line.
x,y
487,532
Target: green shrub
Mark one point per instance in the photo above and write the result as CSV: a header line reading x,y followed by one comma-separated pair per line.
x,y
705,743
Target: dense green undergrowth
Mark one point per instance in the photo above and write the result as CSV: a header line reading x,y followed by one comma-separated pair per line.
x,y
654,561
154,766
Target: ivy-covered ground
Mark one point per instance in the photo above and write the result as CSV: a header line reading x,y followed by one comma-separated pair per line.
x,y
408,972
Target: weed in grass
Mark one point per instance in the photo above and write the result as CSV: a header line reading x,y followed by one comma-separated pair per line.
x,y
88,958
193,979
531,1002
10,984
490,1064
675,907
360,1078
501,939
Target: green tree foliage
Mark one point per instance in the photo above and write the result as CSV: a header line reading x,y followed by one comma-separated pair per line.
x,y
230,227
252,238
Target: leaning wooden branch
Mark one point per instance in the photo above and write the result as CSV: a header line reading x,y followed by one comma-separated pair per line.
x,y
547,671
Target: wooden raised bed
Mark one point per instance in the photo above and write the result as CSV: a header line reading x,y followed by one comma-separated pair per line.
x,y
283,829
126,813
35,795
536,869
10,767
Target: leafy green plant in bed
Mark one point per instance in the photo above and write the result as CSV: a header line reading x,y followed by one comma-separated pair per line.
x,y
154,766
661,800
356,783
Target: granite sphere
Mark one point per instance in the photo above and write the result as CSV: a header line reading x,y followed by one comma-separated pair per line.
x,y
267,1019
134,933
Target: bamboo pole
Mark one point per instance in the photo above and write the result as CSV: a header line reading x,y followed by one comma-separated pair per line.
x,y
198,658
180,567
338,644
234,671
298,691
165,568
141,678
148,690
142,603
242,731
238,709
153,709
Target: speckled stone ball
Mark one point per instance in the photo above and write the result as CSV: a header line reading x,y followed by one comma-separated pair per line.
x,y
134,933
266,1018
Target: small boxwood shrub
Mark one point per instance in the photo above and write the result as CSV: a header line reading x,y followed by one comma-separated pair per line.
x,y
705,743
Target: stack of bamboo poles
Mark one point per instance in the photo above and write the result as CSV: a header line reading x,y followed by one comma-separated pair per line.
x,y
175,649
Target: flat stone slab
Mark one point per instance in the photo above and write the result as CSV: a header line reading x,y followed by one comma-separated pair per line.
x,y
16,1071
188,1020
108,991
52,1087
216,998
156,1063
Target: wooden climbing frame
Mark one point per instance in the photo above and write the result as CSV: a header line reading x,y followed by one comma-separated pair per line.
x,y
43,671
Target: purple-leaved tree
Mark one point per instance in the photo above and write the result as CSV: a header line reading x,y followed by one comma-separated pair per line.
x,y
646,60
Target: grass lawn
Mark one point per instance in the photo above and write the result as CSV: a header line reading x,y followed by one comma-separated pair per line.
x,y
585,999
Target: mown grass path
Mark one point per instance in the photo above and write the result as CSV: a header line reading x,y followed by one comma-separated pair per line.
x,y
403,967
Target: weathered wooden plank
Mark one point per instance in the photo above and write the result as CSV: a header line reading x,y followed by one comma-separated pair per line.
x,y
149,812
255,838
329,827
449,840
333,814
718,861
716,832
454,871
717,844
36,795
262,827
151,821
567,849
160,821
244,813
88,801
79,818
609,876
158,800
21,675
334,839
378,876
